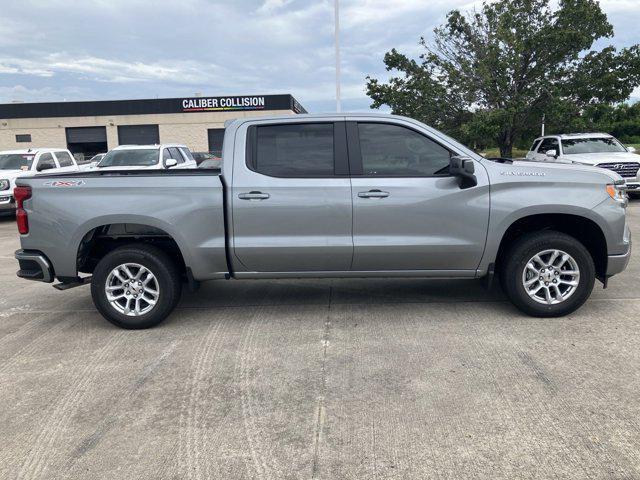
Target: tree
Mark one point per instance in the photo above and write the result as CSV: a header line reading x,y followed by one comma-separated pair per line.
x,y
489,75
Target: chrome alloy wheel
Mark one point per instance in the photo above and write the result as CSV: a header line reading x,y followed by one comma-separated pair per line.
x,y
132,289
551,277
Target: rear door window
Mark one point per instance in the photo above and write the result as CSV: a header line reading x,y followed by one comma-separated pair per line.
x,y
64,159
293,150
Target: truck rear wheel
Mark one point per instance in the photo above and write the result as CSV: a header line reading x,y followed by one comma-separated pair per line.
x,y
136,286
548,274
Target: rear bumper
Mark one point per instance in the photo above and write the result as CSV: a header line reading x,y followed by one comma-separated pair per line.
x,y
34,265
618,263
7,203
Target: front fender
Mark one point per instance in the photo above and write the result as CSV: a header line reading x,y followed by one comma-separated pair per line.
x,y
512,201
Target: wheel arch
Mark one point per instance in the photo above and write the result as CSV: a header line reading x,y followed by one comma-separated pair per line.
x,y
583,229
102,235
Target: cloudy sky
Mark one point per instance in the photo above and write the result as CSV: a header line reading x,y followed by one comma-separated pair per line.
x,y
54,50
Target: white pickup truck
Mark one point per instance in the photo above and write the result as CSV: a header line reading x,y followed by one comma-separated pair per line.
x,y
146,157
15,164
595,149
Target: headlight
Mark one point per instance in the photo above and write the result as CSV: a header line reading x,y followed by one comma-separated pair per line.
x,y
617,191
4,184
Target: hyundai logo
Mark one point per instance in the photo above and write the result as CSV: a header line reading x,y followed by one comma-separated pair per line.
x,y
618,166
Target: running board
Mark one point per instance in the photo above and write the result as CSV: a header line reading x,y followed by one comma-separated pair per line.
x,y
76,283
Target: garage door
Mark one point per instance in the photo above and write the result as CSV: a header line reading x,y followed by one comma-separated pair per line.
x,y
138,135
86,135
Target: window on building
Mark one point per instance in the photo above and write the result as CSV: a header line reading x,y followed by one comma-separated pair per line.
x,y
395,151
23,138
304,150
64,159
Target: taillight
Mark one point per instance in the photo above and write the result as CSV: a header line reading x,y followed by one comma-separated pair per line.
x,y
21,194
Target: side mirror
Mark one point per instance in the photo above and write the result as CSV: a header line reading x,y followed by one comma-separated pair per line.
x,y
170,162
551,153
464,169
631,149
44,166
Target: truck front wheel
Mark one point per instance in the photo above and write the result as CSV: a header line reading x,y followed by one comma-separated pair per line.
x,y
136,286
547,274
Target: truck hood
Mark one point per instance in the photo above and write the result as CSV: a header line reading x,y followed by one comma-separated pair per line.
x,y
12,174
544,168
132,167
596,158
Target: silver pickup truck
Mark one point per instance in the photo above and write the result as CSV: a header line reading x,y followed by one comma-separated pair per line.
x,y
326,196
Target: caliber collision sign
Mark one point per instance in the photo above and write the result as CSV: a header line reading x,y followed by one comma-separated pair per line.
x,y
203,104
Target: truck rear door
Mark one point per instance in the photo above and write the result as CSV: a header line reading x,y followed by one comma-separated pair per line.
x,y
408,212
291,197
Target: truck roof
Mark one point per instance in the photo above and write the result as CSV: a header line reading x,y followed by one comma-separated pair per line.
x,y
578,135
303,116
156,146
32,151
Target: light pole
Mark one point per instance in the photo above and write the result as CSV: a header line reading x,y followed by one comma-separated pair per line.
x,y
337,42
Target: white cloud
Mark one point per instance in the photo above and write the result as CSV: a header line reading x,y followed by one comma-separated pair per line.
x,y
619,5
23,67
270,5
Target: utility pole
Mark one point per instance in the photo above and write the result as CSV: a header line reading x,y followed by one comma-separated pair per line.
x,y
337,42
544,116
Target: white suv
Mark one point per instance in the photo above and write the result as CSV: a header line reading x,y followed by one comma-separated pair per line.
x,y
147,157
34,161
597,149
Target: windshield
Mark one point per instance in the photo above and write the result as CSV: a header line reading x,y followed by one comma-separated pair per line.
x,y
130,158
15,161
591,145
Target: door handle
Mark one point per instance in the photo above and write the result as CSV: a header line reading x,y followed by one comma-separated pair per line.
x,y
253,196
373,194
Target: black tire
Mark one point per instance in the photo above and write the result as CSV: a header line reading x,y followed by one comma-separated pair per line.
x,y
157,262
515,262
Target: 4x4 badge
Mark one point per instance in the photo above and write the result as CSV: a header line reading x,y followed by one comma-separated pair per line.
x,y
64,183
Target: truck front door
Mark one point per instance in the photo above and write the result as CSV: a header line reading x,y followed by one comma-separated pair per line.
x,y
408,212
291,198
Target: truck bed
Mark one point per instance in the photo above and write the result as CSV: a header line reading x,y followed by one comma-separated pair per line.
x,y
186,205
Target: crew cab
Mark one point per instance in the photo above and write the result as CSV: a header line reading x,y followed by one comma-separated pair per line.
x,y
597,149
15,164
351,195
146,157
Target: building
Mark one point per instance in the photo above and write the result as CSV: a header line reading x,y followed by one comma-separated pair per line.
x,y
87,128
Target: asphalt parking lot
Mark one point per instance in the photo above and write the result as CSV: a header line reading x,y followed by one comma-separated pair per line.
x,y
333,379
